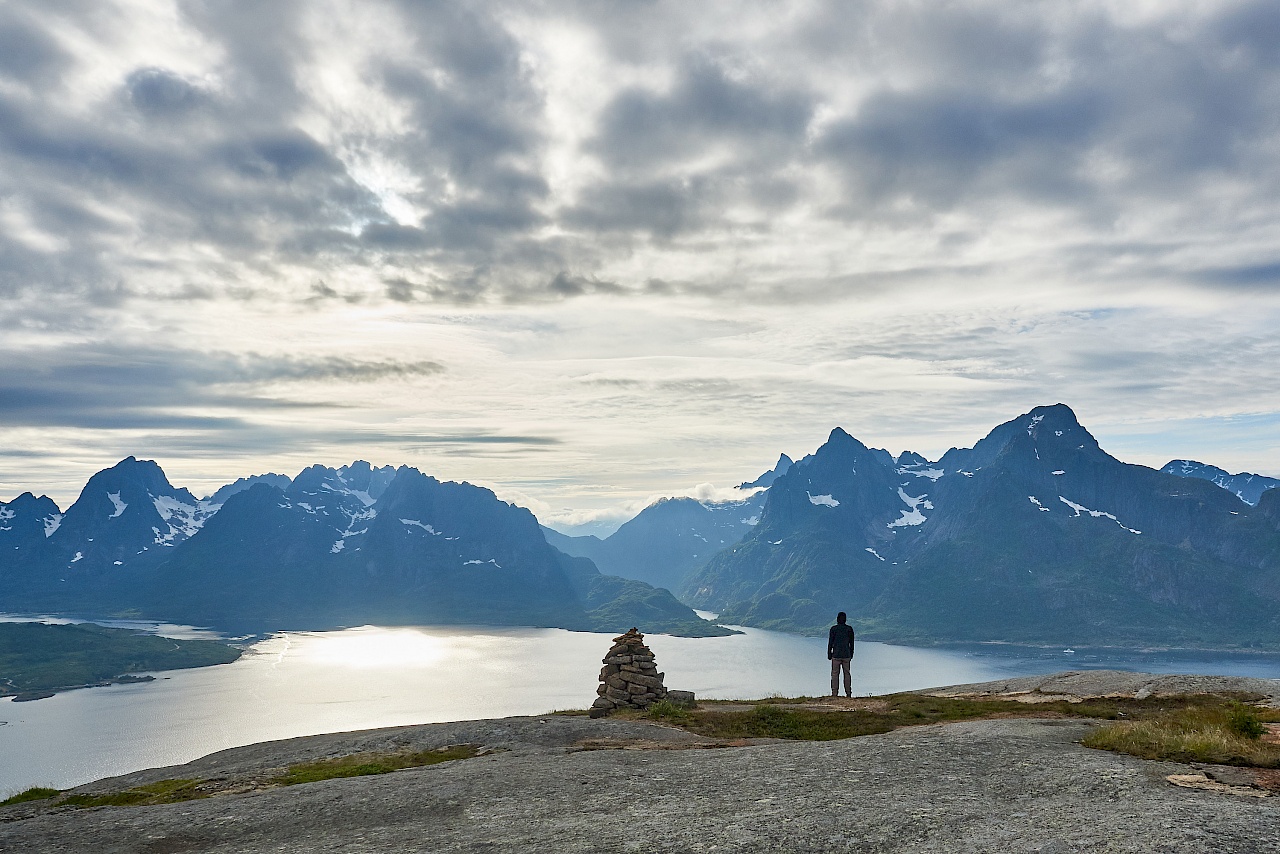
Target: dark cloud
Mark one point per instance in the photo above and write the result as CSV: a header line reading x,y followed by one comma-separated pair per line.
x,y
1087,116
1264,277
108,387
641,129
940,148
27,53
842,114
157,92
662,209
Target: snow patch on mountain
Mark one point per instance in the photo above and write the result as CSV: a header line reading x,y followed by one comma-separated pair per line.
x,y
427,528
117,503
823,500
52,523
875,553
913,515
1036,502
184,519
1080,509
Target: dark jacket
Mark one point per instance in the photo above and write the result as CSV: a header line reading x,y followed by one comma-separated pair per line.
x,y
840,641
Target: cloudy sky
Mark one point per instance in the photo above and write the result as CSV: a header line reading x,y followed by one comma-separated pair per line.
x,y
591,252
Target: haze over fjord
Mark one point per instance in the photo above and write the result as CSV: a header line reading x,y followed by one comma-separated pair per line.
x,y
586,254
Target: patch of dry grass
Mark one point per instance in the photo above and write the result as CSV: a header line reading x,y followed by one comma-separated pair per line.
x,y
1220,735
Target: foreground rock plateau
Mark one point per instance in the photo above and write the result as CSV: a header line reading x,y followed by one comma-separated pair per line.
x,y
573,784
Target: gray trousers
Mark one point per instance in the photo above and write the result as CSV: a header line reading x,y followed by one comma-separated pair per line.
x,y
838,665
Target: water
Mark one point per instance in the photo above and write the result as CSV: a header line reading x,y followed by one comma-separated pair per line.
x,y
306,683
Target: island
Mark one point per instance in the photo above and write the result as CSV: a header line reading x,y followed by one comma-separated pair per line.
x,y
39,659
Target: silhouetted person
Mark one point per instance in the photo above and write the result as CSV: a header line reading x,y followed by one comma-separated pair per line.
x,y
840,653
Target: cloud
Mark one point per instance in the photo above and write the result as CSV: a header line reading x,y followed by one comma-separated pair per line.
x,y
109,387
636,234
437,145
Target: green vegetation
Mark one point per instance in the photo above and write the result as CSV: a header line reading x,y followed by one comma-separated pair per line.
x,y
159,792
176,791
364,764
35,793
800,718
1220,735
39,658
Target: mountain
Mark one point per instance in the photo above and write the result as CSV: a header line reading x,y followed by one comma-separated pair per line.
x,y
667,540
126,518
340,546
766,480
1035,534
1247,487
220,497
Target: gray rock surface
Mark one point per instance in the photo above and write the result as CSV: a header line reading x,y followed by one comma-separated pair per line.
x,y
1082,684
979,786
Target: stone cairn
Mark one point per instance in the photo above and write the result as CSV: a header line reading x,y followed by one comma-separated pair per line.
x,y
630,679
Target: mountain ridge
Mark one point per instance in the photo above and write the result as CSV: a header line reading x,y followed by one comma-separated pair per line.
x,y
1035,534
335,547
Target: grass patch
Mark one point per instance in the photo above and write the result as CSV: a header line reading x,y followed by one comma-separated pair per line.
x,y
35,793
668,712
1221,735
159,792
770,721
782,717
364,764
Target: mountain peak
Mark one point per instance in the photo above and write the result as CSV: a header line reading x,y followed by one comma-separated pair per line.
x,y
132,471
910,458
783,465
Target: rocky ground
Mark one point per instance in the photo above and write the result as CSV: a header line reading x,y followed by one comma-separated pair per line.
x,y
1083,684
570,784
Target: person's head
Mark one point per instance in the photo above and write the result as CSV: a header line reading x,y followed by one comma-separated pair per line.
x,y
841,617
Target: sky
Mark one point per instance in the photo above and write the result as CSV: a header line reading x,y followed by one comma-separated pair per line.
x,y
589,253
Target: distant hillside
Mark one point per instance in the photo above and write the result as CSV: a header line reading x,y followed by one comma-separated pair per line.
x,y
36,658
667,540
1033,535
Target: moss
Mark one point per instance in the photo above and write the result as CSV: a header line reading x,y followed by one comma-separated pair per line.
x,y
159,792
35,793
364,764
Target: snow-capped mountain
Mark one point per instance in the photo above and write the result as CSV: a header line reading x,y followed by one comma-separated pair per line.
x,y
339,546
1034,534
123,513
27,522
1245,486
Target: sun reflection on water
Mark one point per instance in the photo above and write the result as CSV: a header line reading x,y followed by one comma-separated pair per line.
x,y
374,647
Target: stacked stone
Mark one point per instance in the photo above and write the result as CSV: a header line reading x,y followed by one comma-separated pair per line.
x,y
629,678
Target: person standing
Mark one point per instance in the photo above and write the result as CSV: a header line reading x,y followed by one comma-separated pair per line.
x,y
840,654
